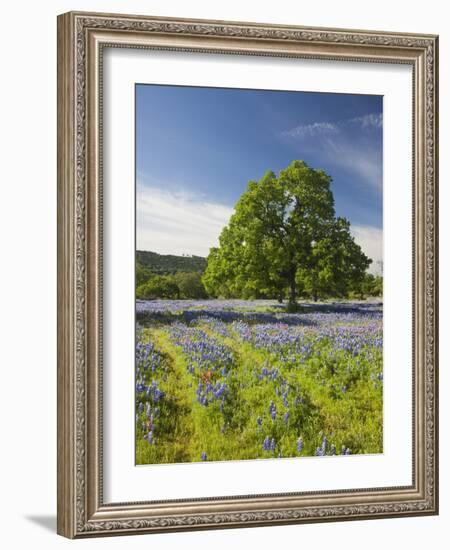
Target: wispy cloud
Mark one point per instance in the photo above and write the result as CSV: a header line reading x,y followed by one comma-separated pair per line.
x,y
356,157
370,239
314,129
371,120
338,145
177,222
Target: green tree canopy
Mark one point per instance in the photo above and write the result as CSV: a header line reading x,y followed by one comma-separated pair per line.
x,y
284,237
370,285
142,274
158,286
190,285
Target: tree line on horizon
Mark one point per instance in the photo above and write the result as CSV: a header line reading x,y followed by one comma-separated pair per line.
x,y
283,241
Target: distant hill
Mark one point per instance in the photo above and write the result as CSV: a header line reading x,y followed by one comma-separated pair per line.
x,y
163,264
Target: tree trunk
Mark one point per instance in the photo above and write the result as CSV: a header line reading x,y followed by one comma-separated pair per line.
x,y
315,295
292,292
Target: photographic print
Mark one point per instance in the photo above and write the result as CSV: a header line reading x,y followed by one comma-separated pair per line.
x,y
259,274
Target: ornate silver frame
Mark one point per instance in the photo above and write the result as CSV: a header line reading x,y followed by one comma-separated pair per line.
x,y
81,38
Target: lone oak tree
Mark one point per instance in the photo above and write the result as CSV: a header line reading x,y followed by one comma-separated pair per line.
x,y
284,237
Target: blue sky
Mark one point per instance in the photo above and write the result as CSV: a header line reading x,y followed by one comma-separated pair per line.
x,y
197,148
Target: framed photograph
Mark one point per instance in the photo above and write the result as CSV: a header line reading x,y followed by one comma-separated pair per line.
x,y
247,274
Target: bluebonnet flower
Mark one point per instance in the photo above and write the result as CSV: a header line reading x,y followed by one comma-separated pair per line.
x,y
272,444
149,437
273,410
270,374
200,349
203,456
219,389
154,393
348,337
159,394
299,444
266,443
146,355
284,397
140,387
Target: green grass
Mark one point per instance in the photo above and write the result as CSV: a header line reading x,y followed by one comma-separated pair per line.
x,y
333,395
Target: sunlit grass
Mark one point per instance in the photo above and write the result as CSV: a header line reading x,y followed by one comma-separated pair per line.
x,y
264,386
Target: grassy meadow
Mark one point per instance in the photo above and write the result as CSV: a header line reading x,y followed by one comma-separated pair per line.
x,y
239,379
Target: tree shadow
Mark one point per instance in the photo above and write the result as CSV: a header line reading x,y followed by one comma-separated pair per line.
x,y
310,314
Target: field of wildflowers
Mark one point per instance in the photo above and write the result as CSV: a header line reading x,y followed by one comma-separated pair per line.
x,y
235,379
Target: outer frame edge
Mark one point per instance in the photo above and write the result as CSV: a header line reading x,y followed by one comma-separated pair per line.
x,y
67,377
65,188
